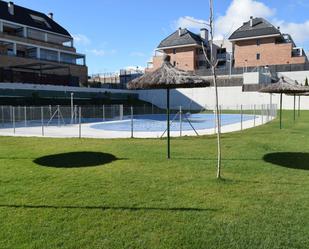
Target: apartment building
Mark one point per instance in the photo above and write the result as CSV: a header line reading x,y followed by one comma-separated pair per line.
x,y
185,49
35,49
259,43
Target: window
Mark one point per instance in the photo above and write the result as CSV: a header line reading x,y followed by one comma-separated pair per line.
x,y
174,51
258,42
49,55
40,20
202,63
258,56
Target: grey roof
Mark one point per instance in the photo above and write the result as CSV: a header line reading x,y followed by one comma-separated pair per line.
x,y
23,16
260,27
186,38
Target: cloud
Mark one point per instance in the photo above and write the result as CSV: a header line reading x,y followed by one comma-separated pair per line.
x,y
189,22
137,54
239,12
101,52
298,31
81,39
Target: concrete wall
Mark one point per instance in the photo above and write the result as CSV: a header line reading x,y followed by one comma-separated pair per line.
x,y
300,76
205,97
256,78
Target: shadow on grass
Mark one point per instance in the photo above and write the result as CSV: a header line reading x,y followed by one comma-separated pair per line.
x,y
292,160
111,208
75,160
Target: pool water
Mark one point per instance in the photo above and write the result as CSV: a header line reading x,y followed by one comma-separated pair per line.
x,y
157,122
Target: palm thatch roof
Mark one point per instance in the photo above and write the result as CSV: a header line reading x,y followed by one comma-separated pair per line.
x,y
167,77
282,86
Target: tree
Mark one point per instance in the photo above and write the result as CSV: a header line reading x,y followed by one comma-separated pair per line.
x,y
306,82
213,64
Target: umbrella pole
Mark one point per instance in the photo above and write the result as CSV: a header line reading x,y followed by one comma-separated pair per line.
x,y
294,107
168,123
281,111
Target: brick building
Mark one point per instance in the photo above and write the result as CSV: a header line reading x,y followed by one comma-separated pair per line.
x,y
259,43
36,49
185,49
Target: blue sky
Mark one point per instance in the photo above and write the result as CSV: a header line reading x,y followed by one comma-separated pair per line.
x,y
116,34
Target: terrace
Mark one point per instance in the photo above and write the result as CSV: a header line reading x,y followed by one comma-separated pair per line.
x,y
22,41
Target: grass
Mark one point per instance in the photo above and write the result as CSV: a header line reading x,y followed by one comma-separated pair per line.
x,y
70,193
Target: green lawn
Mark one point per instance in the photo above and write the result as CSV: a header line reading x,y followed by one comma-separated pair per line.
x,y
130,196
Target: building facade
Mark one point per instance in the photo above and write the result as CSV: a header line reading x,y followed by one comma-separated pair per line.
x,y
258,43
186,51
36,49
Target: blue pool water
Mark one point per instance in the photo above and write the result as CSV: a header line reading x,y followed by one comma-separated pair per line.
x,y
157,122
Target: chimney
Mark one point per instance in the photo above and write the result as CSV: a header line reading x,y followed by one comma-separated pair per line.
x,y
179,31
11,8
251,21
204,34
51,15
278,28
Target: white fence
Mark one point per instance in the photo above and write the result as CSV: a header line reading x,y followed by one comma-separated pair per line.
x,y
118,121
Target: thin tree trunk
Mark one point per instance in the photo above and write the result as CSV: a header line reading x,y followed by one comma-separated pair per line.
x,y
214,65
218,123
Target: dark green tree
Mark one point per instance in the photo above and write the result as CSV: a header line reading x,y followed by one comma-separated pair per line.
x,y
306,82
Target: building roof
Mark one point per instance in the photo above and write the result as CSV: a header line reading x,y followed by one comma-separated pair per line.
x,y
260,27
25,16
186,38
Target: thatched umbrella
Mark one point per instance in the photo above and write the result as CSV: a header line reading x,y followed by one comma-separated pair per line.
x,y
168,77
283,87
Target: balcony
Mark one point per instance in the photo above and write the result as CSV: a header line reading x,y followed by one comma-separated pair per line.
x,y
32,52
34,36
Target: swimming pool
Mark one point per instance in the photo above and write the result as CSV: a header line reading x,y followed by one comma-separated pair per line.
x,y
157,122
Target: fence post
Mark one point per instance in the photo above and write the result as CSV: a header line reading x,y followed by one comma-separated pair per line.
x,y
299,106
50,111
2,114
42,120
103,112
241,117
13,117
262,113
215,122
121,112
220,122
25,115
80,121
180,121
254,115
58,112
132,122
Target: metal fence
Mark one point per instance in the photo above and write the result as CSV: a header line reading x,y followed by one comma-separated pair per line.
x,y
113,121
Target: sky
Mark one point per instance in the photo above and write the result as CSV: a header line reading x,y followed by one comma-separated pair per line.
x,y
118,34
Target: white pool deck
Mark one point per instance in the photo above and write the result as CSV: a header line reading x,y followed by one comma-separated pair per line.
x,y
73,131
